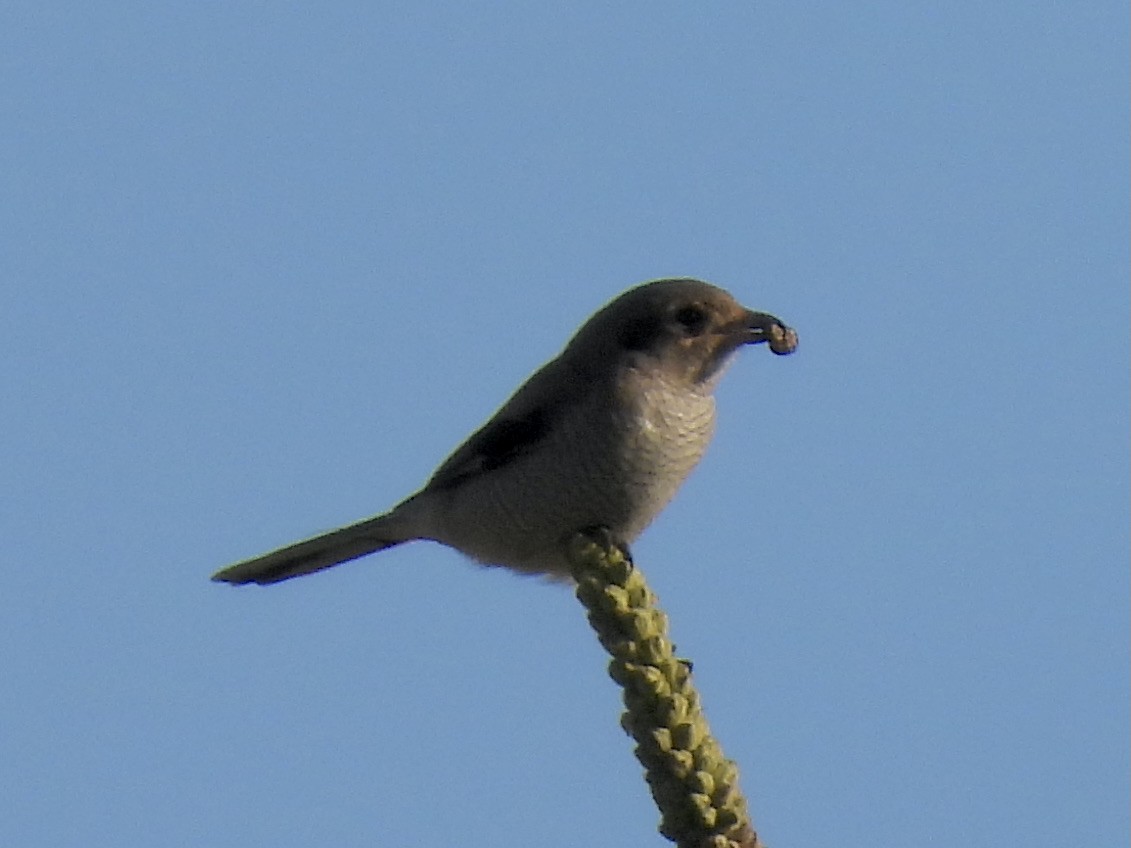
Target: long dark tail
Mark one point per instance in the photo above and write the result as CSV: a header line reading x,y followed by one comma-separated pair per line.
x,y
337,546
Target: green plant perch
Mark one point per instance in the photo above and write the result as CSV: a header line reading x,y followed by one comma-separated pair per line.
x,y
693,784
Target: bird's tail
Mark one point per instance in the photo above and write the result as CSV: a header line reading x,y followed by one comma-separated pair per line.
x,y
337,546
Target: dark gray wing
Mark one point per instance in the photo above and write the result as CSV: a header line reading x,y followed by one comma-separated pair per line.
x,y
500,441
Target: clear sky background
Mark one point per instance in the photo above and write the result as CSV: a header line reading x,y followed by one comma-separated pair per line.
x,y
263,265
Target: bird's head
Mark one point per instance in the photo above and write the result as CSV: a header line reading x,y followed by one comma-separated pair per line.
x,y
688,328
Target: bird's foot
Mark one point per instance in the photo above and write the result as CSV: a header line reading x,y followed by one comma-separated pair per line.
x,y
603,537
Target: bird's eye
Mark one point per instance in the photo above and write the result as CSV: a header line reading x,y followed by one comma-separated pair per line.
x,y
692,319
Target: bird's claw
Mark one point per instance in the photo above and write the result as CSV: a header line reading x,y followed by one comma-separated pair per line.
x,y
603,537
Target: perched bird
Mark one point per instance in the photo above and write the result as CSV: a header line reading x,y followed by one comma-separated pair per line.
x,y
601,436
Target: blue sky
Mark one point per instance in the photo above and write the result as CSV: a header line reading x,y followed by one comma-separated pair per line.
x,y
264,265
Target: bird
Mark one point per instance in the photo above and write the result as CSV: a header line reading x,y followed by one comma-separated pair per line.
x,y
601,437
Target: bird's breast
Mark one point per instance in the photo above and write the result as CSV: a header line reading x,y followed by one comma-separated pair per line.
x,y
614,460
665,439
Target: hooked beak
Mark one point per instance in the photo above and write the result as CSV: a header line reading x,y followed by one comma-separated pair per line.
x,y
758,327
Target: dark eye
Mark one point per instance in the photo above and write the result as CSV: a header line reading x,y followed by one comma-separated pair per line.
x,y
692,319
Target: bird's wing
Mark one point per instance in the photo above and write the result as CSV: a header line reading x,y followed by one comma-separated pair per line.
x,y
521,425
499,442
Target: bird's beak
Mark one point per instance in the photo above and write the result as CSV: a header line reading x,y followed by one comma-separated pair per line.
x,y
758,327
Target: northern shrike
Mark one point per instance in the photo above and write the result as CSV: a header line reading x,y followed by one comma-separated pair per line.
x,y
601,436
